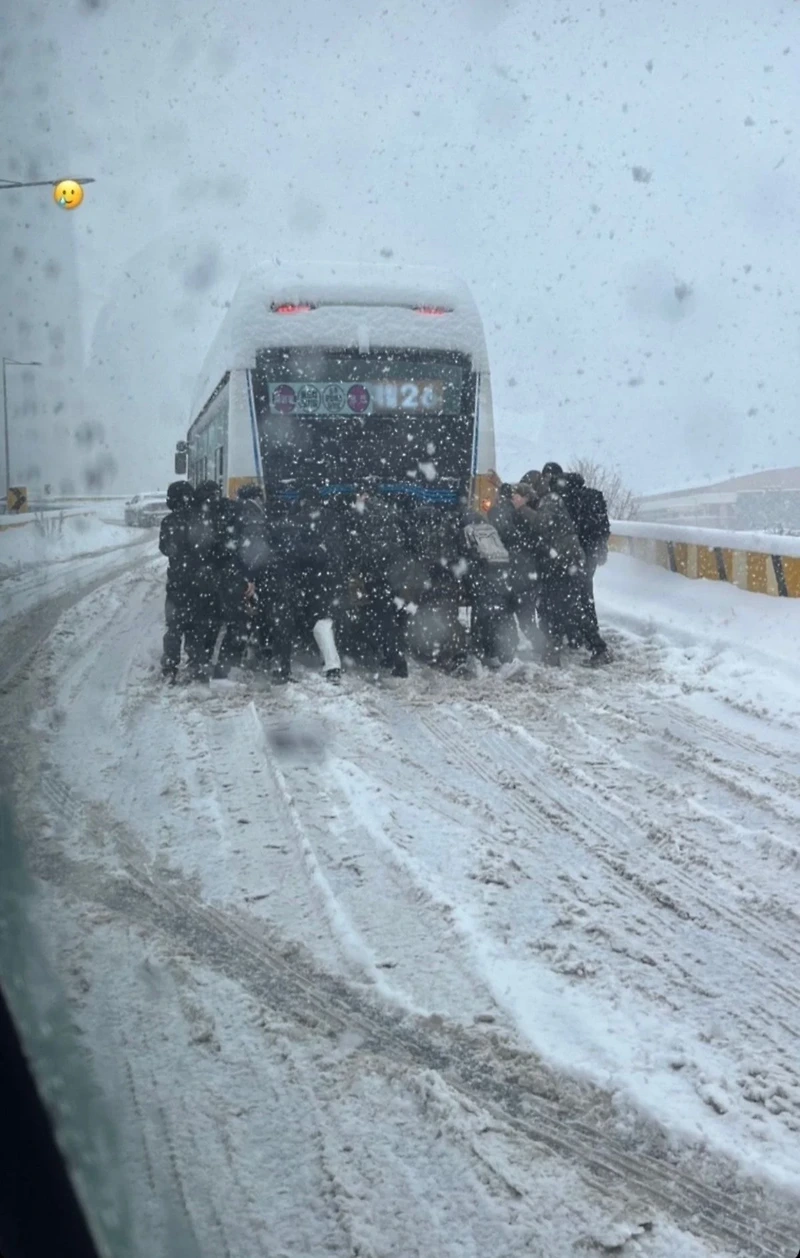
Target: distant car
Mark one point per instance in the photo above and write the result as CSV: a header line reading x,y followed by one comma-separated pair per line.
x,y
145,511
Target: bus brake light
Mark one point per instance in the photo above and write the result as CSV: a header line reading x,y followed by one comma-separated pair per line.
x,y
431,310
289,308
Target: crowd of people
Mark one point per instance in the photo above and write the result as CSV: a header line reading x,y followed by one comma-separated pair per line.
x,y
556,530
250,580
273,578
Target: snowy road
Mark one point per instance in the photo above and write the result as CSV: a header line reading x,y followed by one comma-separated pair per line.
x,y
475,969
60,555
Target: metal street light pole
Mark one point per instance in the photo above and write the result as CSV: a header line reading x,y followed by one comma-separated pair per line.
x,y
37,183
10,362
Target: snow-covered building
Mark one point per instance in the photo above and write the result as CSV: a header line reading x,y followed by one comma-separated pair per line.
x,y
768,501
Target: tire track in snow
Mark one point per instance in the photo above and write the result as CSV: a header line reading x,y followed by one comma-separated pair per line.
x,y
183,1130
496,760
53,579
683,794
742,965
749,945
763,1000
692,748
657,868
513,1085
785,944
656,863
22,637
239,738
388,925
546,1109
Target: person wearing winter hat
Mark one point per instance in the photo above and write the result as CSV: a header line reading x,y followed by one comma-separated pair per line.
x,y
208,529
307,584
174,542
555,565
589,512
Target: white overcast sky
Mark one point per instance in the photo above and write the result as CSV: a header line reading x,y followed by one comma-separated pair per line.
x,y
651,322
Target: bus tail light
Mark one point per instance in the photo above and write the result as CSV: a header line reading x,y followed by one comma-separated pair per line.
x,y
431,310
290,308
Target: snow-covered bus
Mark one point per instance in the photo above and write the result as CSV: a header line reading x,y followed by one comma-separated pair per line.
x,y
323,375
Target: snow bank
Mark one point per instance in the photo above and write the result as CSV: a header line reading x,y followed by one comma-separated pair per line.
x,y
726,539
37,518
51,538
699,613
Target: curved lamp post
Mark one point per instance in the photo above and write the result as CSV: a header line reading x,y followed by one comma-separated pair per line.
x,y
10,362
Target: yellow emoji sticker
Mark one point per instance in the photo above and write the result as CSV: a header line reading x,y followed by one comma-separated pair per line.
x,y
68,194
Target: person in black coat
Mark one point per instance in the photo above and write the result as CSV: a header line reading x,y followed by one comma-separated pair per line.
x,y
175,542
307,576
523,575
436,567
493,632
244,578
553,560
209,531
376,558
588,509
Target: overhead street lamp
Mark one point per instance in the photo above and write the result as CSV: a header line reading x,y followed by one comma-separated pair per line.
x,y
10,362
36,183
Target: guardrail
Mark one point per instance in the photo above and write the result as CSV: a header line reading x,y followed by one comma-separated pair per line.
x,y
764,563
8,522
58,504
49,504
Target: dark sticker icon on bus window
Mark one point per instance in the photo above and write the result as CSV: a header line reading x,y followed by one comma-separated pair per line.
x,y
284,399
358,399
333,397
308,398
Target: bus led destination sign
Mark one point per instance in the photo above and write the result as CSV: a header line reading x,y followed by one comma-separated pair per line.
x,y
370,397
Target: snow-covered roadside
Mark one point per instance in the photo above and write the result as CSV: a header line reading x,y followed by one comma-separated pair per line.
x,y
50,557
714,636
55,537
260,1134
592,860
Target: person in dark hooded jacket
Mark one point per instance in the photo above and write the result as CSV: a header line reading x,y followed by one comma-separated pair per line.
x,y
175,542
523,578
308,577
502,514
208,525
493,630
244,586
587,507
377,560
555,563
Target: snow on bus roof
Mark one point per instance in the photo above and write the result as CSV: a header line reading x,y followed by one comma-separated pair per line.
x,y
349,299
